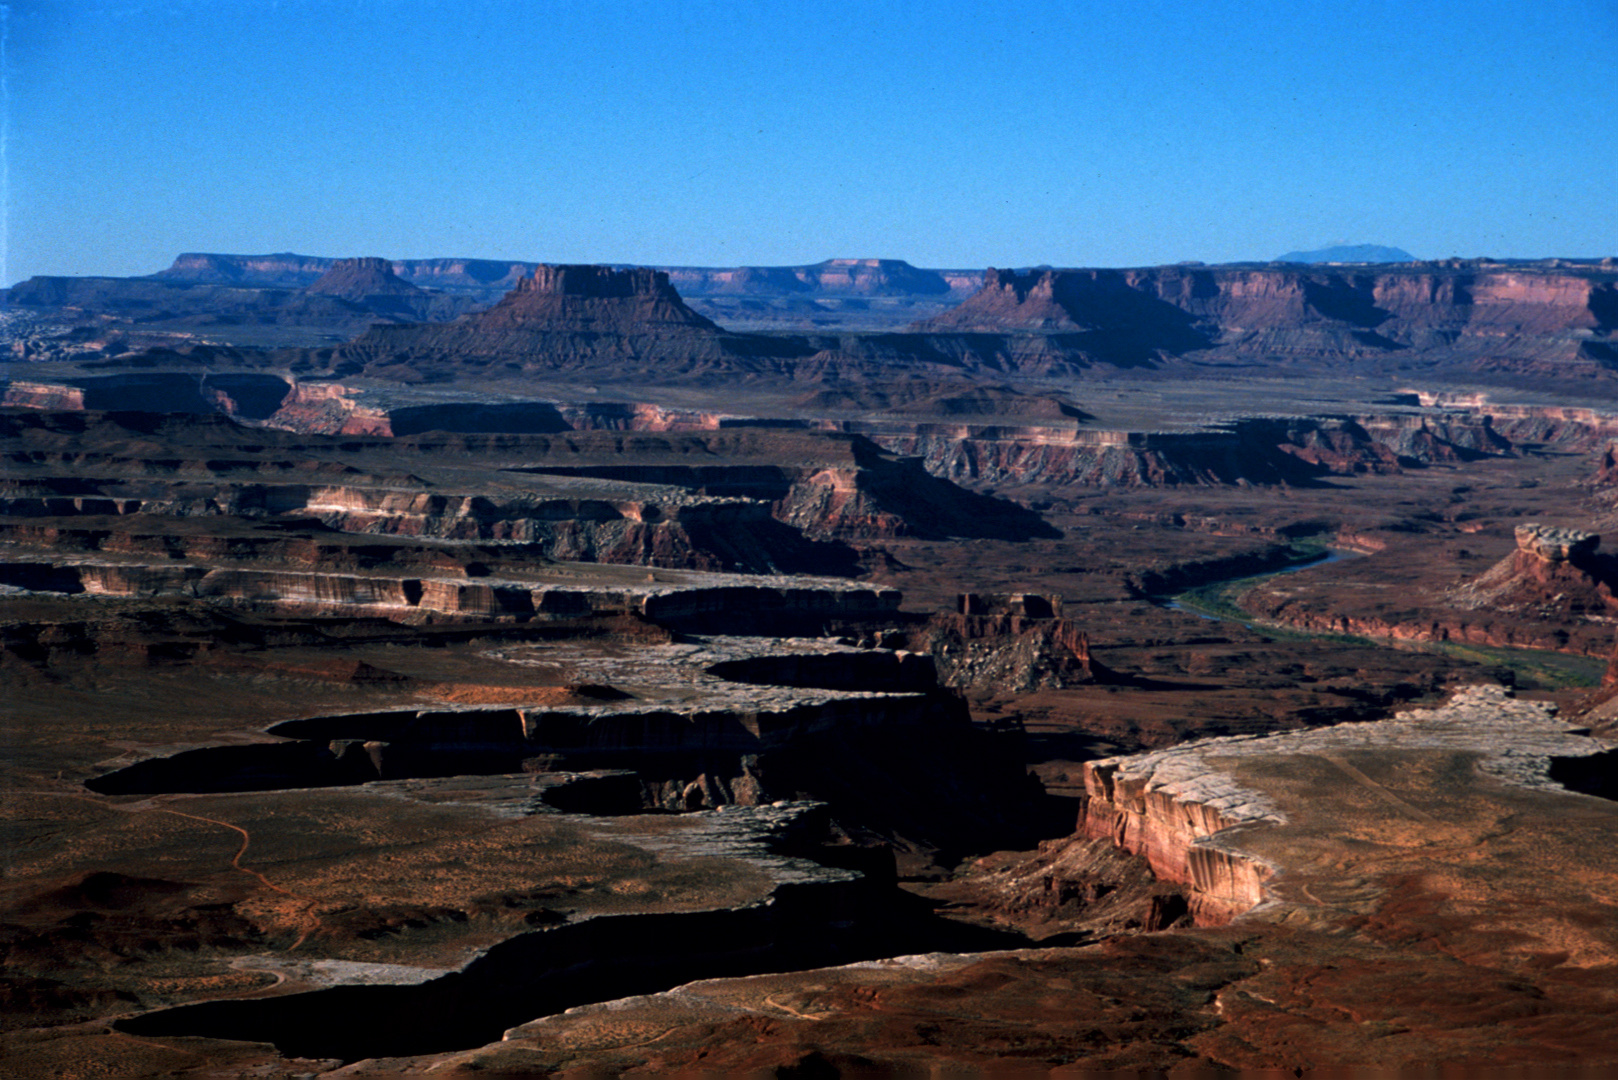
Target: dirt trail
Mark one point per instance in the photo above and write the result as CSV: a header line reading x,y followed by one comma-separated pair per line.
x,y
145,806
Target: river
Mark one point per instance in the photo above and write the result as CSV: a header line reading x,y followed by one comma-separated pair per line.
x,y
1533,668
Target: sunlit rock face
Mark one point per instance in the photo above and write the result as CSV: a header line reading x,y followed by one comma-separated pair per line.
x,y
1554,571
1554,544
1185,810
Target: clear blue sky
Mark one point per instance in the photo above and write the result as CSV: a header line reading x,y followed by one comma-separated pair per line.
x,y
769,133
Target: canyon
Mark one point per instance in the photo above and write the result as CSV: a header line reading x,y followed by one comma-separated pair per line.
x,y
474,667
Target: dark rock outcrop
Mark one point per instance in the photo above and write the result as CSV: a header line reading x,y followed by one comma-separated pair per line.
x,y
1006,653
1553,570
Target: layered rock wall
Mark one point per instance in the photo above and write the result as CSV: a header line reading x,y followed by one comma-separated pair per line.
x,y
1260,450
1404,305
730,602
1184,810
1169,812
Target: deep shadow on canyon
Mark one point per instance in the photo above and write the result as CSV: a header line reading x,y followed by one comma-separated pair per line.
x,y
548,971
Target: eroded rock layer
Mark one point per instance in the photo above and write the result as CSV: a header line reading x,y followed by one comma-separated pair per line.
x,y
1185,812
742,500
1472,310
1370,900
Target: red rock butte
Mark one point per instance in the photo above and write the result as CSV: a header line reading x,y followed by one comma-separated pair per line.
x,y
355,279
592,298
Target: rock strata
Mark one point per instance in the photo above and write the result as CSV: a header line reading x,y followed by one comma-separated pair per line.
x,y
1556,545
1186,813
1387,306
1553,572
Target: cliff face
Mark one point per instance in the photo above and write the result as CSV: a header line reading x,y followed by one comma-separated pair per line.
x,y
726,603
883,496
742,499
874,277
1111,314
1262,450
287,270
1295,311
283,269
1293,450
592,298
1168,810
332,408
1553,570
688,533
1188,812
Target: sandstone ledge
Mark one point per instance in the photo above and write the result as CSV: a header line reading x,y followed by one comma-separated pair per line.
x,y
580,591
1184,810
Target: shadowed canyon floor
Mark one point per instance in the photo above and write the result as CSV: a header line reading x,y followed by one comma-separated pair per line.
x,y
581,687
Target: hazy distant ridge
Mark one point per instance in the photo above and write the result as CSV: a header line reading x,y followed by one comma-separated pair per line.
x,y
1349,253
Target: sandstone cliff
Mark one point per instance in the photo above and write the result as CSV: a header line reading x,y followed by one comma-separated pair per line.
x,y
1554,571
1526,313
1186,812
1260,450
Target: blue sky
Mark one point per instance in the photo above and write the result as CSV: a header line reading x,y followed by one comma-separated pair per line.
x,y
948,134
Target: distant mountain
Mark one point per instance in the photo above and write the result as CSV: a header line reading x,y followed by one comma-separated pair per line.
x,y
1349,253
